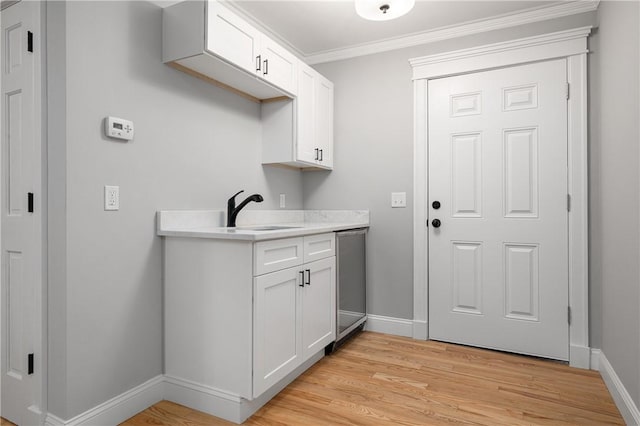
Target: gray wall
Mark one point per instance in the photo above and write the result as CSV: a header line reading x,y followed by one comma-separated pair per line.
x,y
195,145
374,155
615,218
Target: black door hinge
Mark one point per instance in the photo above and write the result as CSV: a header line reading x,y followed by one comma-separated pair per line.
x,y
30,202
30,364
29,41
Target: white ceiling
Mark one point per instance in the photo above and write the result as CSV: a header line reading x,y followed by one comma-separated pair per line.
x,y
313,26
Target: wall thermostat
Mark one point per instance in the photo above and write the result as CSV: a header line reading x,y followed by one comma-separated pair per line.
x,y
118,128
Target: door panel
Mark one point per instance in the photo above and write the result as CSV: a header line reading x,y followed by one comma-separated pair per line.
x,y
319,307
232,38
467,277
306,113
276,338
498,264
521,281
466,172
279,65
521,172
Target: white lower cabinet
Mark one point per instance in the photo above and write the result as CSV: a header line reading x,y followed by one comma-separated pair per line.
x,y
294,318
277,334
294,314
318,306
242,318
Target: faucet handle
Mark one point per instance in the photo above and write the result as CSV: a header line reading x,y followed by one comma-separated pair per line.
x,y
236,194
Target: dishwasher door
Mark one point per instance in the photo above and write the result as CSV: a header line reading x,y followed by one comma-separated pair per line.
x,y
352,282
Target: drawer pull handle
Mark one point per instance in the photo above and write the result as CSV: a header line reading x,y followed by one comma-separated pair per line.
x,y
301,279
308,276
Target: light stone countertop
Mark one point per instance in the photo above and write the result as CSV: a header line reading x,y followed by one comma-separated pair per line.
x,y
203,224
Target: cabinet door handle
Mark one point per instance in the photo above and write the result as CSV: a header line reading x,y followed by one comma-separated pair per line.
x,y
308,276
301,279
258,62
321,156
266,66
317,151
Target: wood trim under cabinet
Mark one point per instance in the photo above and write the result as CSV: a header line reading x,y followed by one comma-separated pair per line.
x,y
213,81
276,99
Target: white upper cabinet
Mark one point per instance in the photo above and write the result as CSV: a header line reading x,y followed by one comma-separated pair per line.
x,y
209,41
324,121
232,38
278,66
306,109
299,133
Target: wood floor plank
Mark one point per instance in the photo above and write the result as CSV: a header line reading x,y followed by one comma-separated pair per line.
x,y
378,379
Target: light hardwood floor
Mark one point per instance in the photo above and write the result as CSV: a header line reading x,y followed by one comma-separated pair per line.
x,y
378,379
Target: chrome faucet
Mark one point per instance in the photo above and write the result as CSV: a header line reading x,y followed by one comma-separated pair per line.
x,y
232,210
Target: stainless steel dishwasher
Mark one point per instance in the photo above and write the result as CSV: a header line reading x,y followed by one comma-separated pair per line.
x,y
352,283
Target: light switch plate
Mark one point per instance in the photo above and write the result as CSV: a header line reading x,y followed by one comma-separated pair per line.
x,y
398,199
111,197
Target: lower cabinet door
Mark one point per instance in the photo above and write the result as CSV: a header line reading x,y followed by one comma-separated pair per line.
x,y
276,319
318,306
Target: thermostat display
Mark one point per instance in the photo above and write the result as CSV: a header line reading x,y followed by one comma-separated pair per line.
x,y
118,128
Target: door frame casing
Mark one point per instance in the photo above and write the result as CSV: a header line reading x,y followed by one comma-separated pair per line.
x,y
572,46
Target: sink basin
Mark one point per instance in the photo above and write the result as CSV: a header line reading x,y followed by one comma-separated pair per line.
x,y
265,228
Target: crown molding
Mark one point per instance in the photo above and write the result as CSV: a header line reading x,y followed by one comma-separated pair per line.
x,y
233,5
465,29
506,46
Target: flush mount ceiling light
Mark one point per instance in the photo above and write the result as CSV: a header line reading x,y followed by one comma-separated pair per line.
x,y
383,10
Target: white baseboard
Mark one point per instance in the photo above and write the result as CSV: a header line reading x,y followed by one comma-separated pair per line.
x,y
595,359
579,356
389,325
203,398
420,330
621,397
118,409
220,404
194,395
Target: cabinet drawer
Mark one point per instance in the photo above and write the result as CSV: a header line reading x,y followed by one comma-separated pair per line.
x,y
274,255
319,246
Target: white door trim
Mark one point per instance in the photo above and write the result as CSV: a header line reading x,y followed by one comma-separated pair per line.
x,y
569,44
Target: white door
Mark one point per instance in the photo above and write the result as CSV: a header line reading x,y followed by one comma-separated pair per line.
x,y
318,306
21,233
498,262
276,325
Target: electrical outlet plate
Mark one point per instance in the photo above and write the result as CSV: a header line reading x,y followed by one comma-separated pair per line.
x,y
283,203
111,197
398,199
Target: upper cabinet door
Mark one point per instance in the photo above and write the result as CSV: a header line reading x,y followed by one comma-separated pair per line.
x,y
279,66
230,37
306,112
324,121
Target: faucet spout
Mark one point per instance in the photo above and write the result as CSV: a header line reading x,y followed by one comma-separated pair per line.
x,y
232,210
